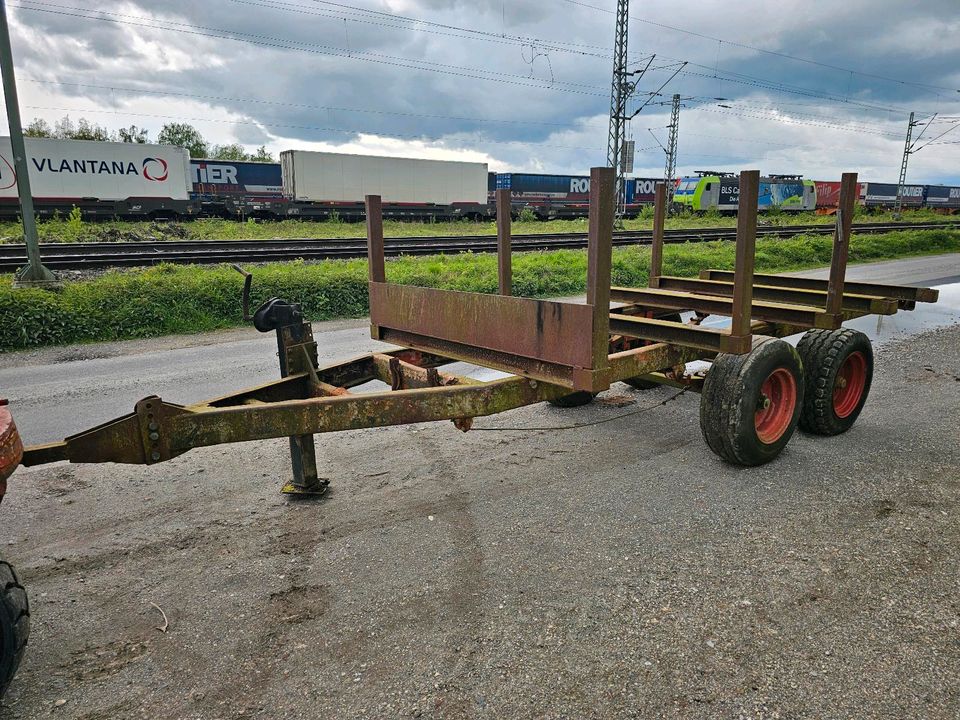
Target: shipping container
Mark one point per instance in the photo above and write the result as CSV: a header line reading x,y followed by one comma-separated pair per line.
x,y
321,177
104,170
942,196
557,196
885,195
102,179
828,193
230,177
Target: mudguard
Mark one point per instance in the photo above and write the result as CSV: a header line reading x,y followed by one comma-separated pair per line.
x,y
11,448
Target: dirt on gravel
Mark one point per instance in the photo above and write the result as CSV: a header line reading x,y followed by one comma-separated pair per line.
x,y
612,571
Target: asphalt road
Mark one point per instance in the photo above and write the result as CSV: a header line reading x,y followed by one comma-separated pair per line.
x,y
618,570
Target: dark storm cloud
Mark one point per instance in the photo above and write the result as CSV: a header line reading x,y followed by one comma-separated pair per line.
x,y
322,71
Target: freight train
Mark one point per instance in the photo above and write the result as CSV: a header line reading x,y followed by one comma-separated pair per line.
x,y
138,181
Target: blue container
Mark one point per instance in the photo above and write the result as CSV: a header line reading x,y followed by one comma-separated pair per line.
x,y
230,177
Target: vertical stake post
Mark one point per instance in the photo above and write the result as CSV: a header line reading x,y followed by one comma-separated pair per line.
x,y
376,266
746,249
34,273
504,269
600,259
656,246
841,242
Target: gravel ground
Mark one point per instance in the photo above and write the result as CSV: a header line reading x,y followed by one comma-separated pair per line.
x,y
605,572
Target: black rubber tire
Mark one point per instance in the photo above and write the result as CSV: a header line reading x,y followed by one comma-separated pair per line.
x,y
823,353
731,392
14,624
575,399
638,383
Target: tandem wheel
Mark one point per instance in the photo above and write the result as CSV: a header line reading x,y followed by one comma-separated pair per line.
x,y
751,403
14,624
838,370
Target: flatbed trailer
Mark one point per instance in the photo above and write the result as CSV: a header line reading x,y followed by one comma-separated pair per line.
x,y
757,390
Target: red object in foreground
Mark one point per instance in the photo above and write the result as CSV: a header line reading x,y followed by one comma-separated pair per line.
x,y
11,449
848,389
778,399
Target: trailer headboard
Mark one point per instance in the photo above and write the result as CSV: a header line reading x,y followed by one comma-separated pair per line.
x,y
557,342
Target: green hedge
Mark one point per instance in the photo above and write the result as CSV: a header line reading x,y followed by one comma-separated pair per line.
x,y
176,299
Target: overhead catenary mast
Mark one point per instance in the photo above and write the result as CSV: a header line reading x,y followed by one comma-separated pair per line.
x,y
620,91
907,149
670,168
34,272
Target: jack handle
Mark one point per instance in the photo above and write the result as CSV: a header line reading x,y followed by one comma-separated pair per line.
x,y
247,280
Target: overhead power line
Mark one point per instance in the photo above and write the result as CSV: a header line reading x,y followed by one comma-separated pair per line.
x,y
401,22
303,106
315,48
344,131
775,53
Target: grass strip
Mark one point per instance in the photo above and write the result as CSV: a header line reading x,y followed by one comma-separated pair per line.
x,y
74,229
170,299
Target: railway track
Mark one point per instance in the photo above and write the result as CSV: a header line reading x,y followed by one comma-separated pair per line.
x,y
98,255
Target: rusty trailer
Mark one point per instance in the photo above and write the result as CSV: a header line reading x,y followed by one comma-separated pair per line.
x,y
756,392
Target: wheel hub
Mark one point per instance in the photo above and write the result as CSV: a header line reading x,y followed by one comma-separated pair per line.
x,y
849,385
775,405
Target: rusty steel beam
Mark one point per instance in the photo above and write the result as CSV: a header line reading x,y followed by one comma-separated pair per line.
x,y
376,265
792,296
800,315
599,264
841,242
746,250
692,336
401,375
537,329
504,260
545,371
656,246
648,359
899,292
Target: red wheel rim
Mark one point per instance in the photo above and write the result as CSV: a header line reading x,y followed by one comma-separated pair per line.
x,y
775,406
849,385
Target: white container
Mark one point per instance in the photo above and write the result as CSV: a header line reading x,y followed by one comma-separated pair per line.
x,y
76,169
334,177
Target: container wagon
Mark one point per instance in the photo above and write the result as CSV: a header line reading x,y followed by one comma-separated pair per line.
x,y
102,179
322,184
213,182
828,194
941,197
721,191
566,196
884,195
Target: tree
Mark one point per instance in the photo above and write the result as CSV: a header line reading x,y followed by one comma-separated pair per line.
x,y
63,128
261,155
133,134
38,129
185,136
233,151
87,130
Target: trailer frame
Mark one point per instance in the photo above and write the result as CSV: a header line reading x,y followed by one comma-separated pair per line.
x,y
549,349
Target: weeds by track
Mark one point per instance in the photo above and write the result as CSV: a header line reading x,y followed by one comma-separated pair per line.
x,y
98,255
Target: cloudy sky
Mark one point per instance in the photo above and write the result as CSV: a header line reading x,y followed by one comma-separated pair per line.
x,y
816,87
